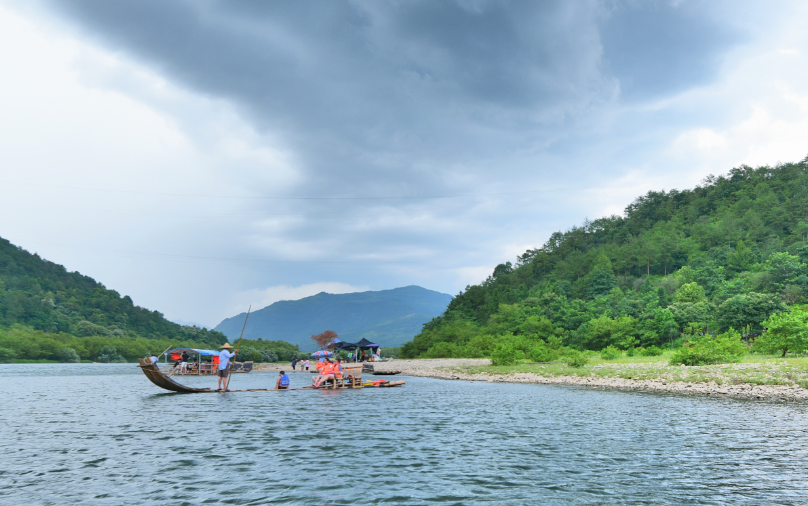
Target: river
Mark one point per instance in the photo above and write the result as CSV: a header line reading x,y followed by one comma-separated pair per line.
x,y
103,434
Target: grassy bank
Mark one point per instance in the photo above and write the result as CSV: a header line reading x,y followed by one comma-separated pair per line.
x,y
753,369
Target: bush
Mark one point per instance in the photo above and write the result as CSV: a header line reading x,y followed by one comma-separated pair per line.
x,y
393,352
651,351
7,355
633,351
69,355
506,354
441,350
610,353
109,354
575,358
543,353
707,349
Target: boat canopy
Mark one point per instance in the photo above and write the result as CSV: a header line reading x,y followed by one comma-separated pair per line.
x,y
206,353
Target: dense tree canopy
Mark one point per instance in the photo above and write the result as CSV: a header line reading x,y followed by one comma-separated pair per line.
x,y
725,255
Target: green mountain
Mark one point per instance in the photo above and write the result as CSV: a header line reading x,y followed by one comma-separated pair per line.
x,y
724,255
389,317
44,296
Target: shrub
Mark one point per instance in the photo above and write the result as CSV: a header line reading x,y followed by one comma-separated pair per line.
x,y
394,352
506,354
441,350
633,351
575,358
69,355
543,353
707,349
6,355
610,353
651,351
109,354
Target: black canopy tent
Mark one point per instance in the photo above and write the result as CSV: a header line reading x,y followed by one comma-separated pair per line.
x,y
364,343
340,345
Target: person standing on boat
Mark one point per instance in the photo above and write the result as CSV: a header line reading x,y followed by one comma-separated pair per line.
x,y
184,363
154,359
283,381
224,362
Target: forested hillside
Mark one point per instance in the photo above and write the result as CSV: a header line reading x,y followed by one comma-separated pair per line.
x,y
42,296
726,254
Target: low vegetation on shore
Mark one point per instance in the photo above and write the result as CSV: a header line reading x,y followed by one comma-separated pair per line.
x,y
752,370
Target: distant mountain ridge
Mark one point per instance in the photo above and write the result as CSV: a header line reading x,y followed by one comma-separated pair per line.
x,y
390,317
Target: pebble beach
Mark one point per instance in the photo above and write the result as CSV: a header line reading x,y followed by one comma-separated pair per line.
x,y
464,369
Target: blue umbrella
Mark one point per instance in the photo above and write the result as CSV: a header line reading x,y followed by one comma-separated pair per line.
x,y
322,353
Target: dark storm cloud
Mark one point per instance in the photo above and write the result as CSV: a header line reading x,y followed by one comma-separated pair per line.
x,y
657,48
379,97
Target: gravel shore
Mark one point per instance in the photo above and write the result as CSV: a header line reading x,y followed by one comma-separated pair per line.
x,y
450,369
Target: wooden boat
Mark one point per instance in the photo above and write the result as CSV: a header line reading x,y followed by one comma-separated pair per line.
x,y
385,373
161,380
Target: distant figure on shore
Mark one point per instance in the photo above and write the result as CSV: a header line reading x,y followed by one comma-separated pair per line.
x,y
306,365
294,363
224,361
283,382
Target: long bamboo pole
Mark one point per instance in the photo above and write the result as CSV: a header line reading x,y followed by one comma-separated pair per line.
x,y
233,363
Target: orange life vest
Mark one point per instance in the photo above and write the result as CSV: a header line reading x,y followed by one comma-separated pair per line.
x,y
328,369
338,370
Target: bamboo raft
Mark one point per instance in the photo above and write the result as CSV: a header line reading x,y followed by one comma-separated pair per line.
x,y
161,380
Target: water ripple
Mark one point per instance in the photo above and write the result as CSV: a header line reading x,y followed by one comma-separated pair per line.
x,y
102,434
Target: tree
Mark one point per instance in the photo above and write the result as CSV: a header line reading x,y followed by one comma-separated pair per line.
x,y
689,292
749,309
325,339
785,332
741,258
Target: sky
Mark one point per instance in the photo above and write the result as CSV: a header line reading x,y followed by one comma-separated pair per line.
x,y
203,156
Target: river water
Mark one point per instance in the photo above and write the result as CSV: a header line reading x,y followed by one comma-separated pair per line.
x,y
103,434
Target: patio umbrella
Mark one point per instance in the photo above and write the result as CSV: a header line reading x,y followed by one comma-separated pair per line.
x,y
322,353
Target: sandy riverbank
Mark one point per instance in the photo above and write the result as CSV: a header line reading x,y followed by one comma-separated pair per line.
x,y
597,377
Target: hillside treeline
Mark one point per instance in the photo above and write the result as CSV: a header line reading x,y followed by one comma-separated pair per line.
x,y
724,255
44,296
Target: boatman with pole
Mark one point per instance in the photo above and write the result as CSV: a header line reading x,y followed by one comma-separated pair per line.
x,y
224,362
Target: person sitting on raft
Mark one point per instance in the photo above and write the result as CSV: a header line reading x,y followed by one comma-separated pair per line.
x,y
323,368
333,372
283,382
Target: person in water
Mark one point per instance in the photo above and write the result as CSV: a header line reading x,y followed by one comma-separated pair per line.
x,y
224,359
306,365
283,382
294,363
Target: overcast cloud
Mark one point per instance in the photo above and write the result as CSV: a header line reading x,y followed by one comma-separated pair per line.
x,y
201,156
